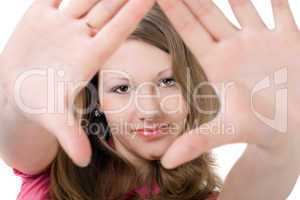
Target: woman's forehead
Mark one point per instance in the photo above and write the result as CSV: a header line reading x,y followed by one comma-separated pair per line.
x,y
122,74
136,58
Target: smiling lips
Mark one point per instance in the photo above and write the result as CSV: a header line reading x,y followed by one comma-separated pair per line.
x,y
151,132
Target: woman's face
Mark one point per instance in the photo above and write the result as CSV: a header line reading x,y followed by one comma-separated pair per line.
x,y
137,91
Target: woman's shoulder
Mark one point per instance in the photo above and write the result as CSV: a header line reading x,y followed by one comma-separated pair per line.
x,y
23,175
34,186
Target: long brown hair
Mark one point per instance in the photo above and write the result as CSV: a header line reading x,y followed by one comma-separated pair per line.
x,y
109,175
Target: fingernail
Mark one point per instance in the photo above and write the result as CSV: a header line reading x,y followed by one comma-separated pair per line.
x,y
167,164
175,157
170,160
84,163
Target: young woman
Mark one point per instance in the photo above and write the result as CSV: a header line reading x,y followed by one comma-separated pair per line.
x,y
129,88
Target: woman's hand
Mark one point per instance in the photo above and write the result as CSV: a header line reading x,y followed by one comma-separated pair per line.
x,y
244,60
49,42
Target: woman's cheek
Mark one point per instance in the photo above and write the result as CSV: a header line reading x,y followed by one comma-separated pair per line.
x,y
115,104
173,103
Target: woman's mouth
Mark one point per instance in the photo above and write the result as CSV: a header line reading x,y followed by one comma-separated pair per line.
x,y
151,133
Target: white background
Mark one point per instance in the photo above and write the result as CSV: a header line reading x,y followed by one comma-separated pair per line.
x,y
11,11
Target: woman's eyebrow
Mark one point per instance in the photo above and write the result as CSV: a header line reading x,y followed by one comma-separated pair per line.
x,y
163,71
118,77
115,77
108,78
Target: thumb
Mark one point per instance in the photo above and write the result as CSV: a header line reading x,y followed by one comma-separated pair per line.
x,y
53,3
194,143
72,138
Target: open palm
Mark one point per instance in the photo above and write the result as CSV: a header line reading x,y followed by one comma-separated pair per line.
x,y
245,58
70,44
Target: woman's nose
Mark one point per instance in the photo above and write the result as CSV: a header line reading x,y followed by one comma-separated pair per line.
x,y
147,105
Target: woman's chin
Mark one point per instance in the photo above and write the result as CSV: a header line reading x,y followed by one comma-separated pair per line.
x,y
154,155
157,152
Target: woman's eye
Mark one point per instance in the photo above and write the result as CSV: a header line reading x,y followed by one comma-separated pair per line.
x,y
121,89
167,82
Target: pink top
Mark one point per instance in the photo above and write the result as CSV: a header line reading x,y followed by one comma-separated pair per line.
x,y
37,186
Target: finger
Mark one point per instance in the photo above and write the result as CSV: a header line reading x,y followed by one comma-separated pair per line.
x,y
212,18
121,26
283,15
195,142
103,12
72,138
191,31
78,8
246,14
53,3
